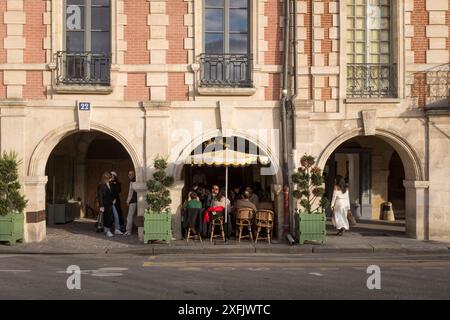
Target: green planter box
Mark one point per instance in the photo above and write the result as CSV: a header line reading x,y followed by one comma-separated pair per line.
x,y
311,227
157,226
11,227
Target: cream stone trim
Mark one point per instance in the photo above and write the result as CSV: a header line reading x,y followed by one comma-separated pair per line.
x,y
41,153
157,45
76,89
265,146
14,19
411,160
372,100
226,91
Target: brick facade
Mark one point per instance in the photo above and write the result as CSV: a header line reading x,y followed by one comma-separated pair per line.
x,y
177,89
137,32
34,88
34,31
177,32
136,89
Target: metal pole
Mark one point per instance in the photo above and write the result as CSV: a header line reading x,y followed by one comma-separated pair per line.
x,y
226,194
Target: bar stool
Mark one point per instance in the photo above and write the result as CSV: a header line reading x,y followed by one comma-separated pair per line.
x,y
264,220
244,218
217,220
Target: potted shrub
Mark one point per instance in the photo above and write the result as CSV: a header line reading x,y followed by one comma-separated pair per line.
x,y
311,219
157,218
12,203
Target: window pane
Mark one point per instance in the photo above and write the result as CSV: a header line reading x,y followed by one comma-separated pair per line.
x,y
75,41
101,2
100,42
214,3
101,18
76,2
238,20
214,20
214,43
238,3
75,17
238,43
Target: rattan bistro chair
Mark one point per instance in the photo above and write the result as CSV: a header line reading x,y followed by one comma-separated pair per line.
x,y
244,218
264,220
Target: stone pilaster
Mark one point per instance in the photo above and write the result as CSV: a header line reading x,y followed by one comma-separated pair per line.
x,y
35,230
416,209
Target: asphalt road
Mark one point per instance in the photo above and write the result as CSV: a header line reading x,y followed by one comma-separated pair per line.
x,y
253,277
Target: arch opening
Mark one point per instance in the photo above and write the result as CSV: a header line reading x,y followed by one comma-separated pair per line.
x,y
253,176
74,168
374,171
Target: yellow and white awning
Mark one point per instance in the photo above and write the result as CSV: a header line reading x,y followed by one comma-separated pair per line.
x,y
226,158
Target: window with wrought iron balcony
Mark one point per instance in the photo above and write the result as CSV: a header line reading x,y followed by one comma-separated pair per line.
x,y
226,64
370,71
85,64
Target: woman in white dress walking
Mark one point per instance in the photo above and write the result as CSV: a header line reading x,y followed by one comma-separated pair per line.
x,y
340,205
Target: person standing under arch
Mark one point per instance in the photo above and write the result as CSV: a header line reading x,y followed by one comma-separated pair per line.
x,y
116,188
105,200
131,202
340,205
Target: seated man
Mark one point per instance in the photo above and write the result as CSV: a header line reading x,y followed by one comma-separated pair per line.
x,y
244,202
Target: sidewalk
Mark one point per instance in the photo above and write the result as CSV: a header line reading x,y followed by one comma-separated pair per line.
x,y
368,237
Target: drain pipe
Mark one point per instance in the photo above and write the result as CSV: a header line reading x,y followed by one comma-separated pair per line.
x,y
284,103
295,74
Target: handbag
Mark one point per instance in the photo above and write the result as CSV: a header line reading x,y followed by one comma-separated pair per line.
x,y
351,218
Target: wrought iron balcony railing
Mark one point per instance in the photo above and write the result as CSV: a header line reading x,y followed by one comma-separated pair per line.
x,y
431,86
371,80
226,70
83,68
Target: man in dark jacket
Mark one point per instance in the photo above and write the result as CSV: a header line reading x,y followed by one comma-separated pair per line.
x,y
116,188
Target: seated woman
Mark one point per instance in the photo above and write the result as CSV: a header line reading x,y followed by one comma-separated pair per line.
x,y
193,202
192,213
220,201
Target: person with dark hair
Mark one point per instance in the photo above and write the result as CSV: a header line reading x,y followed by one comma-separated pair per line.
x,y
245,202
105,199
131,202
340,205
253,197
193,201
116,189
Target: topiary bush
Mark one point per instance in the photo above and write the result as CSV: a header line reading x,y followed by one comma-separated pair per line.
x,y
158,196
309,180
11,200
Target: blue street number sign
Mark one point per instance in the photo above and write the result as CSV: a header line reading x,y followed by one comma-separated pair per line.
x,y
84,106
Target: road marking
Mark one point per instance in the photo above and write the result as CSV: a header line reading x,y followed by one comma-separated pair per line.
x,y
190,269
102,272
316,274
258,269
224,269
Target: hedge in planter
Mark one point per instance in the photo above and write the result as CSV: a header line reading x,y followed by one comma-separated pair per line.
x,y
311,221
158,218
12,203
